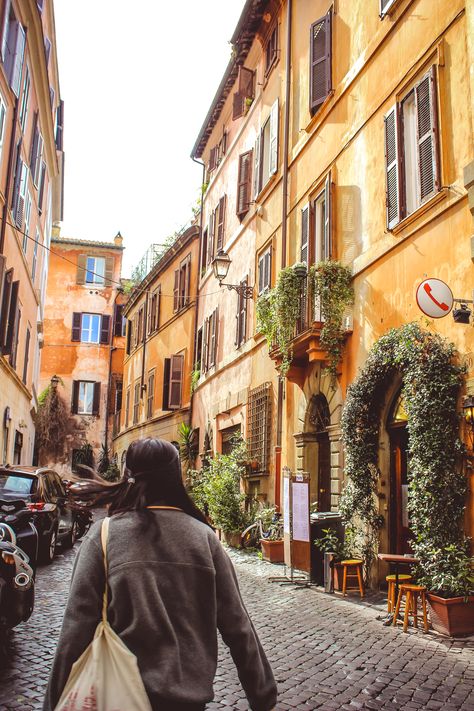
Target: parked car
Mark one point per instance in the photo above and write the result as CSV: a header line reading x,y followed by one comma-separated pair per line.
x,y
44,494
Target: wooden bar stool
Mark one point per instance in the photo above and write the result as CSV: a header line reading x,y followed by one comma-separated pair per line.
x,y
411,593
352,569
391,580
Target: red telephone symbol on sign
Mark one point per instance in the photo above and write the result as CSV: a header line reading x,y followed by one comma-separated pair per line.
x,y
441,304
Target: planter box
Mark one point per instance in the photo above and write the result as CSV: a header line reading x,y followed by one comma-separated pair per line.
x,y
232,539
272,551
451,616
337,575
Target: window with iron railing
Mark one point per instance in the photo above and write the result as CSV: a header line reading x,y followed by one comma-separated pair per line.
x,y
259,428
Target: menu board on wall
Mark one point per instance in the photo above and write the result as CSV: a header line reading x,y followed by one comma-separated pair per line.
x,y
300,511
286,505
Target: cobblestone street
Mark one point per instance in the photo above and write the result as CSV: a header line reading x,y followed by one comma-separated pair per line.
x,y
327,653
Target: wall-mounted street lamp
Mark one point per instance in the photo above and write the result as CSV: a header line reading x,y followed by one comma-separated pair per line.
x,y
462,312
468,413
220,267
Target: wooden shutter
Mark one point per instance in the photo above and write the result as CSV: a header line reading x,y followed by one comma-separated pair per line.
x,y
20,199
109,270
105,329
241,316
166,383
12,319
47,49
261,274
96,400
129,336
27,356
274,138
320,62
256,166
221,222
6,298
176,291
3,261
245,83
244,183
81,269
41,187
212,158
304,254
327,253
17,179
59,125
75,396
15,335
76,326
267,269
5,18
158,305
238,106
187,280
14,55
213,331
210,238
392,166
205,345
34,144
118,316
223,143
176,381
427,135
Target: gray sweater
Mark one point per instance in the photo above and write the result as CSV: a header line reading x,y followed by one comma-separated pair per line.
x,y
171,585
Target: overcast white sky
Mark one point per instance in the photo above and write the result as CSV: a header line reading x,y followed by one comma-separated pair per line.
x,y
137,79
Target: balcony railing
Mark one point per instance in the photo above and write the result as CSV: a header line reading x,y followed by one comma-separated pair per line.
x,y
309,310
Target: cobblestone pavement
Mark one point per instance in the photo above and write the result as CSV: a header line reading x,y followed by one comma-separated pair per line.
x,y
327,653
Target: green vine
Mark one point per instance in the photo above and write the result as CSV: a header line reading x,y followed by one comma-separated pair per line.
x,y
431,380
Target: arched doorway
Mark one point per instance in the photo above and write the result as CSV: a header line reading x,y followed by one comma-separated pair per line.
x,y
320,420
399,528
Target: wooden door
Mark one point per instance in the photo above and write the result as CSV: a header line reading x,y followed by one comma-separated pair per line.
x,y
324,472
399,525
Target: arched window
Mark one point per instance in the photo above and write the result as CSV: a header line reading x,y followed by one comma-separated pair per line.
x,y
319,417
398,415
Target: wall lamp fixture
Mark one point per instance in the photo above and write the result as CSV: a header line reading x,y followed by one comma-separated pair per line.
x,y
220,267
462,312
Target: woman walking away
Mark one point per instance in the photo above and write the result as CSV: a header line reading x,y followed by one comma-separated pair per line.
x,y
171,585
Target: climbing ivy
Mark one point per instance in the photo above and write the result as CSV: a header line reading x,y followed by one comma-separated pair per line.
x,y
431,380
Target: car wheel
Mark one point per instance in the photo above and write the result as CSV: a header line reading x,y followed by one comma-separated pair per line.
x,y
72,537
49,547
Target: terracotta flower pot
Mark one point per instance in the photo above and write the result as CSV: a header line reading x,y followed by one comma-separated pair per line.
x,y
337,575
272,551
232,539
452,616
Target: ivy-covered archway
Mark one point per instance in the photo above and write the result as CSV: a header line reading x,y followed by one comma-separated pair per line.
x,y
431,379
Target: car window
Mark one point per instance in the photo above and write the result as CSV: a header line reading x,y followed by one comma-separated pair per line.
x,y
58,485
17,483
47,488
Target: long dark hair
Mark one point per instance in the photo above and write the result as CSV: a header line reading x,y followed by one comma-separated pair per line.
x,y
152,476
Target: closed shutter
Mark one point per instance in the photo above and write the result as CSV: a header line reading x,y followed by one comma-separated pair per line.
x,y
76,327
327,254
6,297
15,51
213,327
81,269
221,222
238,106
304,257
34,144
109,270
105,329
75,396
274,138
41,187
118,316
176,381
426,113
244,183
392,167
241,317
187,280
210,238
212,158
320,62
245,83
166,383
17,180
176,290
27,356
12,319
129,336
205,346
59,125
47,49
96,400
158,305
261,272
20,198
3,262
5,17
267,273
256,167
15,336
223,143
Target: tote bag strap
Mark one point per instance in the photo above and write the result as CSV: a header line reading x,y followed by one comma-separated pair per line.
x,y
104,535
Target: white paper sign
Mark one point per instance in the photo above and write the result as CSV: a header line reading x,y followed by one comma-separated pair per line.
x,y
286,505
300,511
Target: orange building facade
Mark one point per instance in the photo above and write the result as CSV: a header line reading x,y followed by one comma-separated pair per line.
x,y
31,165
341,130
84,343
159,355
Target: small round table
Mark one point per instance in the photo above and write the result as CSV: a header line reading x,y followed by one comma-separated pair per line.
x,y
397,560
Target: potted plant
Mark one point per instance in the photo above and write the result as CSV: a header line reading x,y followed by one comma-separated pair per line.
x,y
331,544
271,541
448,575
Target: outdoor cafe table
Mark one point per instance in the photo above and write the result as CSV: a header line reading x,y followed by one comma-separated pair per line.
x,y
397,561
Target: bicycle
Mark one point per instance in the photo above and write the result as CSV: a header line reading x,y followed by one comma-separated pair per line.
x,y
273,529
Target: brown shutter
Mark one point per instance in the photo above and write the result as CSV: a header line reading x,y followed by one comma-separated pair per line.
x,y
27,356
320,62
12,320
105,329
129,336
224,143
176,291
34,144
41,187
328,218
244,183
17,179
187,284
257,176
166,383
304,256
238,106
205,345
158,304
96,400
245,83
3,262
426,112
118,315
15,337
392,166
76,326
176,381
221,222
213,327
210,238
385,6
5,311
81,269
241,317
109,270
75,396
212,158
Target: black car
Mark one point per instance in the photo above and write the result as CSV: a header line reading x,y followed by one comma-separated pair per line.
x,y
43,493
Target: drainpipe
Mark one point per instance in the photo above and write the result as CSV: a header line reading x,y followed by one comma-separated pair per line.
x,y
284,221
11,158
198,276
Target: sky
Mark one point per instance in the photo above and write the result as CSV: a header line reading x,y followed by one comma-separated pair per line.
x,y
137,79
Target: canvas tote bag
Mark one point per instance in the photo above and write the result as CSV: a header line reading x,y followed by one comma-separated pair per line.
x,y
106,675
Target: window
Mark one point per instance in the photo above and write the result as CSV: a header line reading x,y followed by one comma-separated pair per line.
x,y
154,313
20,198
245,93
221,222
241,317
244,184
16,316
127,407
150,395
411,150
59,126
136,402
27,355
217,153
120,321
271,50
182,278
176,381
128,348
304,255
320,62
259,427
118,396
204,251
210,329
17,447
265,271
9,308
95,270
91,328
266,152
85,397
3,118
139,329
386,6
26,226
13,48
24,100
322,224
211,227
34,262
36,156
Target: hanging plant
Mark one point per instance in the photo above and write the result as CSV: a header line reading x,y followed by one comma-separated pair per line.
x,y
436,486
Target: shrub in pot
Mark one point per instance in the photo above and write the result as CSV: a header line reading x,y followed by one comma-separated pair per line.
x,y
339,550
271,542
